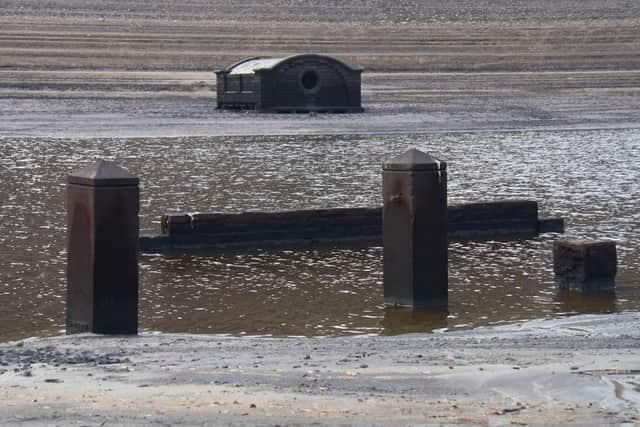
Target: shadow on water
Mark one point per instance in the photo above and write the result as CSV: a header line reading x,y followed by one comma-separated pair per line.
x,y
571,303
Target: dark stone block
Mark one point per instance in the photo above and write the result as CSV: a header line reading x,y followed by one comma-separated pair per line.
x,y
513,218
585,266
509,210
551,225
155,243
171,224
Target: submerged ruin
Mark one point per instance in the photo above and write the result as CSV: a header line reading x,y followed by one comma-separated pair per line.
x,y
300,83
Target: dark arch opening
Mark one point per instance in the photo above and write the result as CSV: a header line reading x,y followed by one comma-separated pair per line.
x,y
310,80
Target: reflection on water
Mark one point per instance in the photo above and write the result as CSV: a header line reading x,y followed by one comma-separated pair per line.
x,y
404,320
314,291
594,304
591,178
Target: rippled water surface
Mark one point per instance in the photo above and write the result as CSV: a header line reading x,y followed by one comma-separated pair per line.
x,y
591,178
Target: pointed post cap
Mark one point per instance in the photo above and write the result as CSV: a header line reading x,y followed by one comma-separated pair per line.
x,y
103,173
412,160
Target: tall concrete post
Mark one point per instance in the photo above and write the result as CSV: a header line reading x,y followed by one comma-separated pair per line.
x,y
415,231
102,269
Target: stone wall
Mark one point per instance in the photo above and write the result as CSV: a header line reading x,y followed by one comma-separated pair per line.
x,y
219,230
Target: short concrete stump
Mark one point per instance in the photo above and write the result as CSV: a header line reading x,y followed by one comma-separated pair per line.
x,y
585,266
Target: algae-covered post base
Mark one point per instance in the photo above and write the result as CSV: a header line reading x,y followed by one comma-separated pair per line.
x,y
585,266
415,231
102,269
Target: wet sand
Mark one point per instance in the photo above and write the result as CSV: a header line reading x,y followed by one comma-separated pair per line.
x,y
86,69
70,104
580,371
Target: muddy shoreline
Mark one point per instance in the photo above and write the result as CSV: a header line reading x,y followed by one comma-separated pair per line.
x,y
580,370
83,69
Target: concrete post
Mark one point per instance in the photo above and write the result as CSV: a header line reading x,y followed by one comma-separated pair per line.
x,y
102,269
585,266
414,220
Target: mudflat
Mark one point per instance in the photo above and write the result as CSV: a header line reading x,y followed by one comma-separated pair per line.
x,y
89,68
579,371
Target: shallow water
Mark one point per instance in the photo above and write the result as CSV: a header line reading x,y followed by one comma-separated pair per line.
x,y
591,178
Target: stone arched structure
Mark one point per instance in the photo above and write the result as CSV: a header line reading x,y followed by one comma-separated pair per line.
x,y
300,83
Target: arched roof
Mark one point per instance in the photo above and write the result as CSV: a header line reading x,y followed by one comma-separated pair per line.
x,y
249,66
